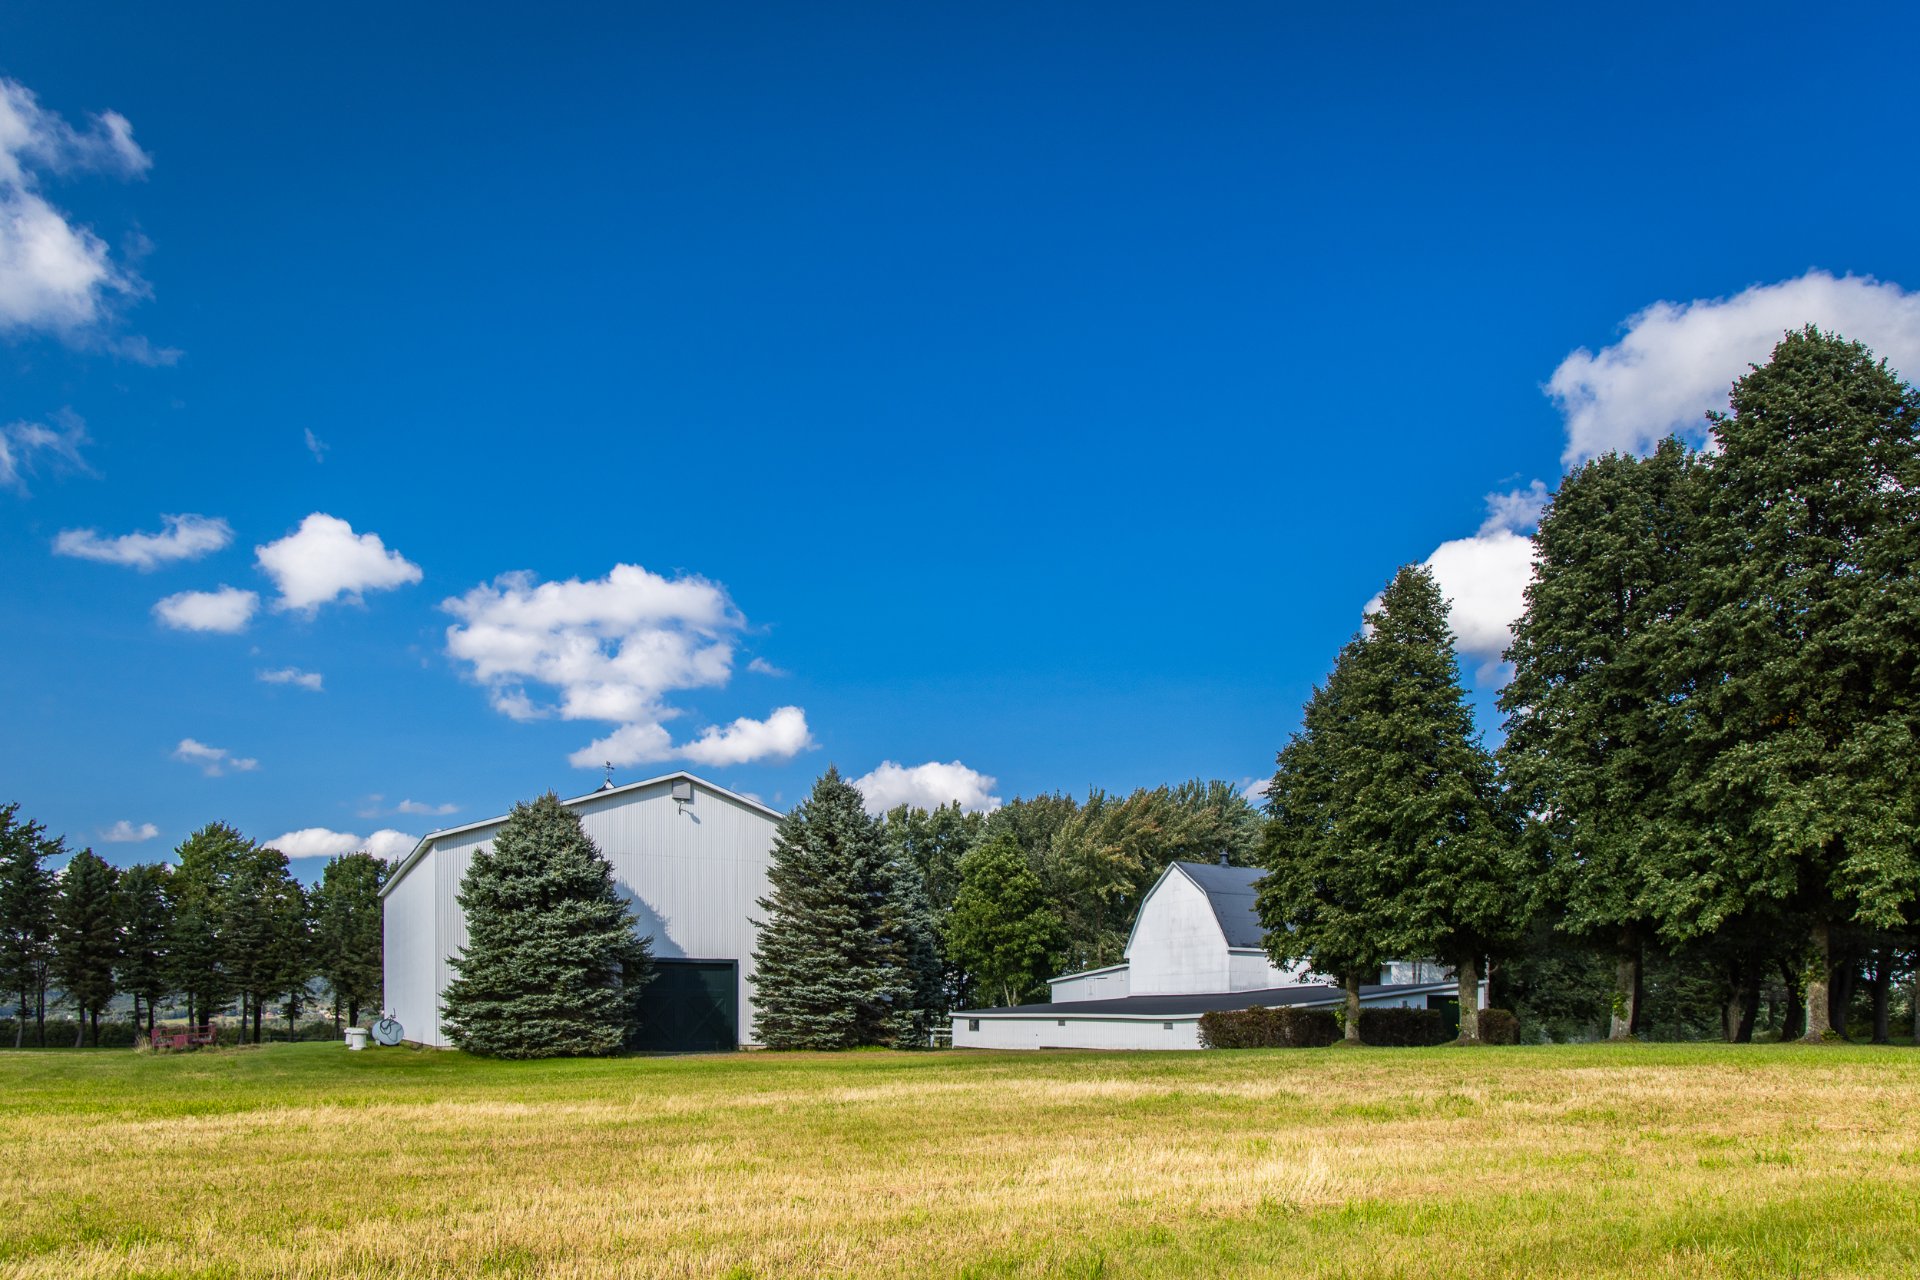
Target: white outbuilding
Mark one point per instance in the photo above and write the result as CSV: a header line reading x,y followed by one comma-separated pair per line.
x,y
690,857
1196,947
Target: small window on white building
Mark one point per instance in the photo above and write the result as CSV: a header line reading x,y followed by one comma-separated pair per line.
x,y
1061,1023
1166,1026
973,1024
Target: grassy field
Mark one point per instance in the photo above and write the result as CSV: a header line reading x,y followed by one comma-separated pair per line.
x,y
1551,1161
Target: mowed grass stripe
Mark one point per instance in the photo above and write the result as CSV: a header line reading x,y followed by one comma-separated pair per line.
x,y
1550,1161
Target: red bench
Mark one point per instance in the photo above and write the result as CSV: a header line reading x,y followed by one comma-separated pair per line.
x,y
184,1039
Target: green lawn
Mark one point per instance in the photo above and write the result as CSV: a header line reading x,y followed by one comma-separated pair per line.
x,y
1587,1160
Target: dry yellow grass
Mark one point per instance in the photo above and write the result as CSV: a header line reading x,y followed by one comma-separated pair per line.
x,y
1589,1161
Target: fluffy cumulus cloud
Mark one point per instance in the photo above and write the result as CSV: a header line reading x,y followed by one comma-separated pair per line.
x,y
324,560
124,832
927,786
55,275
26,446
1675,360
227,610
212,761
614,649
1484,578
319,842
781,736
311,681
184,537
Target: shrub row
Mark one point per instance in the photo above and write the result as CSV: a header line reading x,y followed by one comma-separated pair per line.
x,y
121,1034
1498,1026
1263,1028
1290,1028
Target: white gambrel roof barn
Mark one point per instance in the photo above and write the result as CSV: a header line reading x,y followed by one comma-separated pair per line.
x,y
690,857
1196,947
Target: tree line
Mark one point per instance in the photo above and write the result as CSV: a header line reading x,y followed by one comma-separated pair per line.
x,y
1709,737
224,928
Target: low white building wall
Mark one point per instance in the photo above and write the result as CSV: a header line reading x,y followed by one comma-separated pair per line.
x,y
1110,983
1081,1031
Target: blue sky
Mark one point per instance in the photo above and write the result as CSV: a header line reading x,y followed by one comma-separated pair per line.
x,y
1037,390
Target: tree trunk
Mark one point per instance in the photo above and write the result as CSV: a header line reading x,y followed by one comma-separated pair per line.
x,y
40,1016
1882,997
1793,1018
1749,1012
1469,1000
79,1025
1626,988
1353,1007
96,1028
1845,971
1818,986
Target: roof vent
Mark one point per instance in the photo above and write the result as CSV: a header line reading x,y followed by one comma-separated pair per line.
x,y
1223,859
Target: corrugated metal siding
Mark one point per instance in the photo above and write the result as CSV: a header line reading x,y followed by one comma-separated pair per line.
x,y
1177,945
692,876
406,929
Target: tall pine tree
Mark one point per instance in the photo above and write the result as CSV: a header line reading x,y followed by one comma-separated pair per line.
x,y
553,965
27,893
347,932
143,941
1804,725
86,939
832,970
1388,807
1591,742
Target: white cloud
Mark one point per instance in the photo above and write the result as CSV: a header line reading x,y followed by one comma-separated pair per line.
x,y
1484,578
54,275
212,761
1675,361
781,736
760,666
316,446
430,810
629,744
124,832
23,445
319,842
324,560
185,537
1255,789
927,786
311,681
613,649
227,610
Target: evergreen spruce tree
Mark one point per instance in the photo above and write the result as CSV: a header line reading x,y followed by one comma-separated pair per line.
x,y
347,933
553,966
1591,742
143,940
1804,710
86,939
1001,932
832,967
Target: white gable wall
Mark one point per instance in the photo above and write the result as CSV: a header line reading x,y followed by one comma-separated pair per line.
x,y
1177,946
691,874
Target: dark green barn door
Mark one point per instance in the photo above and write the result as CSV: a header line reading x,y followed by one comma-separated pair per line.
x,y
691,1006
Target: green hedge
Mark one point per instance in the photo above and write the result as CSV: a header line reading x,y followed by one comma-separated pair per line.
x,y
1498,1026
1263,1028
1291,1028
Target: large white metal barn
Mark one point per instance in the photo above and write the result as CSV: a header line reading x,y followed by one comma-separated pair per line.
x,y
690,857
1196,947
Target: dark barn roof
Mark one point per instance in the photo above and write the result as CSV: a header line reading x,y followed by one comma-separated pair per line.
x,y
1230,891
1184,1005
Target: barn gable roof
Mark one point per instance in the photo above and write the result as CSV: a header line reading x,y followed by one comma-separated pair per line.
x,y
1230,892
426,842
